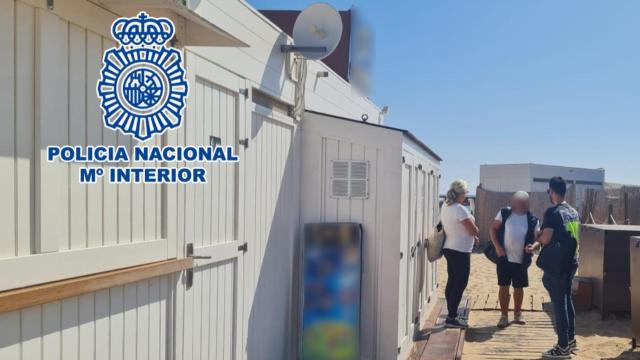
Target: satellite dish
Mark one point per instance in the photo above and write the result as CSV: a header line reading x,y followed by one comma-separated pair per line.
x,y
316,32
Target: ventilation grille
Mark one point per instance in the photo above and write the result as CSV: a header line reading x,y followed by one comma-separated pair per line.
x,y
350,179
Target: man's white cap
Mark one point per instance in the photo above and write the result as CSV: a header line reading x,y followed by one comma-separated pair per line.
x,y
521,195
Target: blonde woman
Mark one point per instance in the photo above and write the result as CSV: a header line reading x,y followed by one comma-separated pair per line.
x,y
462,235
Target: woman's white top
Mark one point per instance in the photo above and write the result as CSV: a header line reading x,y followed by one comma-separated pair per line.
x,y
457,236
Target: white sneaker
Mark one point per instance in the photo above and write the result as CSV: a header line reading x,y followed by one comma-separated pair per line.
x,y
518,318
504,321
573,345
455,323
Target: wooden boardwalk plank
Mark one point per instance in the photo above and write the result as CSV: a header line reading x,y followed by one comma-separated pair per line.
x,y
537,303
489,302
444,343
492,302
480,302
485,341
527,304
439,346
425,331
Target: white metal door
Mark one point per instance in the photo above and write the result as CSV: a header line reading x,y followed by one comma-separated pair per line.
x,y
418,247
430,218
411,250
405,236
208,309
268,203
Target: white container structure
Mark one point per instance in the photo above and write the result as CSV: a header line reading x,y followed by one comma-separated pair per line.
x,y
535,178
387,180
242,303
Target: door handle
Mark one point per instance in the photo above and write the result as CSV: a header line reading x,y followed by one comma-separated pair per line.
x,y
190,251
188,279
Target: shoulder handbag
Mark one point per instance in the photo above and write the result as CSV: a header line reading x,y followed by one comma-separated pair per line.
x,y
532,221
490,252
490,249
435,242
557,256
554,258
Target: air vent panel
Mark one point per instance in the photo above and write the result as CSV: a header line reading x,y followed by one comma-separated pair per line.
x,y
350,179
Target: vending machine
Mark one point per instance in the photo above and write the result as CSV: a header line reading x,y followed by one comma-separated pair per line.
x,y
332,270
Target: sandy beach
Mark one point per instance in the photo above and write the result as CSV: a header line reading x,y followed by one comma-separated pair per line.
x,y
597,339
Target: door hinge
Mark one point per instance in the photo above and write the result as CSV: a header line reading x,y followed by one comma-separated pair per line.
x,y
50,4
399,350
401,254
215,141
244,142
244,92
244,247
404,160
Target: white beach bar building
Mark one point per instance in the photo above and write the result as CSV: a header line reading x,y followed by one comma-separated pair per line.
x,y
141,271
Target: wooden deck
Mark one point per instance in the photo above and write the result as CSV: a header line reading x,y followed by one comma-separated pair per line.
x,y
438,342
489,302
485,341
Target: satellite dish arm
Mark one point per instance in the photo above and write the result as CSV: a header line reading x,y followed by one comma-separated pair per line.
x,y
293,48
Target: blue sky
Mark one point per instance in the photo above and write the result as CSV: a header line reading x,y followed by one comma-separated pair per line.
x,y
497,81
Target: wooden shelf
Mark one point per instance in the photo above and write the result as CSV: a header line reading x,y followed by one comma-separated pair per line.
x,y
41,294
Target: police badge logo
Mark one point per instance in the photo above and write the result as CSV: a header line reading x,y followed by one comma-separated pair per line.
x,y
142,87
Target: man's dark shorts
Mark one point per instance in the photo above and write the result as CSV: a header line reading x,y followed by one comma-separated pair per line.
x,y
512,274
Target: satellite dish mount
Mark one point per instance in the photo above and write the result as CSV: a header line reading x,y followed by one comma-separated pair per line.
x,y
302,49
316,34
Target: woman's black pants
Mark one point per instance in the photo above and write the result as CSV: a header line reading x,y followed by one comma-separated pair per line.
x,y
458,268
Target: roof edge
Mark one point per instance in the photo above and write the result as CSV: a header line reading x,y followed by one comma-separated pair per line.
x,y
407,133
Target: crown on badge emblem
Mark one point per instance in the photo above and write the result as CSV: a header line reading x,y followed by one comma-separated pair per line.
x,y
142,87
142,30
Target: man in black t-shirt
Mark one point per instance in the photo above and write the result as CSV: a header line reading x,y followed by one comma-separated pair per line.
x,y
560,233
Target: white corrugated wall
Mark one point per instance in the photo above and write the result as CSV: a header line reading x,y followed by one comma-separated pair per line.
x,y
49,70
124,322
51,99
